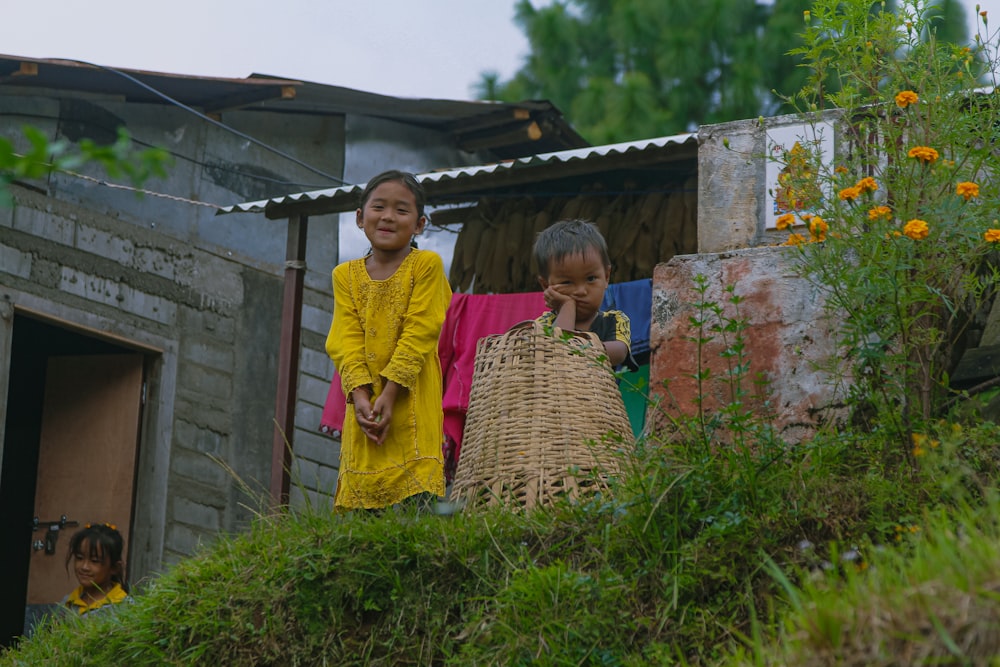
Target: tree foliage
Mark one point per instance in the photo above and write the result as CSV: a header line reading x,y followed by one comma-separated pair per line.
x,y
627,69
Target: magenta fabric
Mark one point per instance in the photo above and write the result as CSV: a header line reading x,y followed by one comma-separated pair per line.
x,y
334,409
471,317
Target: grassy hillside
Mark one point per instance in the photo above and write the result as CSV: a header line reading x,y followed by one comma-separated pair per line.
x,y
688,558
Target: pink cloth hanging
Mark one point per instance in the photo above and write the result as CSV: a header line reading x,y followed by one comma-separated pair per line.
x,y
471,317
334,409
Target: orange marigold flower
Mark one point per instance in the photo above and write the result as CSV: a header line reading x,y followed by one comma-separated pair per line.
x,y
906,98
992,235
847,194
784,221
818,228
867,184
916,229
925,154
841,169
879,212
967,189
795,239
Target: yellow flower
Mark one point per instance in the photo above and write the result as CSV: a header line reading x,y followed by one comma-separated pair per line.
x,y
992,236
818,228
925,154
848,194
967,189
867,184
916,229
795,239
906,98
841,169
879,212
784,221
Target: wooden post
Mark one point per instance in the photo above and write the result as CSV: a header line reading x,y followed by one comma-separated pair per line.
x,y
288,359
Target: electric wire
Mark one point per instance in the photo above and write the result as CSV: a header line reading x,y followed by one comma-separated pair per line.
x,y
210,120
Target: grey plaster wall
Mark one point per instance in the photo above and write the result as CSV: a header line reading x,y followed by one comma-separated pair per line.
x,y
732,182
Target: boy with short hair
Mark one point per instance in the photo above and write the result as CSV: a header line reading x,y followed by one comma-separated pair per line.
x,y
574,270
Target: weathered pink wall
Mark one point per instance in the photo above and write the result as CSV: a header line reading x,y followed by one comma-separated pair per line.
x,y
788,338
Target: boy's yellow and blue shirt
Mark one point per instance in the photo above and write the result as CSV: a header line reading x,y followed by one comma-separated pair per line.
x,y
608,325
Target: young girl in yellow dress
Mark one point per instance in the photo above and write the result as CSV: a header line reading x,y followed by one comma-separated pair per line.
x,y
389,307
96,554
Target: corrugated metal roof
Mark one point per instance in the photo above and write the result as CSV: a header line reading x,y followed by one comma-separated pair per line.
x,y
505,129
206,93
448,185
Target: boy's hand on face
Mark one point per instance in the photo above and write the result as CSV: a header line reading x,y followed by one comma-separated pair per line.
x,y
563,306
554,299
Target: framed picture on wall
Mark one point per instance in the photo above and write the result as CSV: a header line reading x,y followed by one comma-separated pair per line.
x,y
797,155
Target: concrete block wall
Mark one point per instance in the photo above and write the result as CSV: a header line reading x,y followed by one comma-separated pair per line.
x,y
171,275
221,317
732,180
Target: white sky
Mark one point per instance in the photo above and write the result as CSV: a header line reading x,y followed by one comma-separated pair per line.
x,y
408,48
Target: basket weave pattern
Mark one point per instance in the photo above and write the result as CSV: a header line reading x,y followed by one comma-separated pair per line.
x,y
541,407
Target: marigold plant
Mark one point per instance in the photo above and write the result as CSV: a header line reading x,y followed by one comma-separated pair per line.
x,y
906,260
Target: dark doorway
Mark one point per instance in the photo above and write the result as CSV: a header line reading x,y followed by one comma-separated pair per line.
x,y
35,343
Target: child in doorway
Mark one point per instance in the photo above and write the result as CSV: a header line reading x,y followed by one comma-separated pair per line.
x,y
574,270
96,554
389,307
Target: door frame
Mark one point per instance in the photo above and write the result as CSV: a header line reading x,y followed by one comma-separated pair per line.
x,y
155,431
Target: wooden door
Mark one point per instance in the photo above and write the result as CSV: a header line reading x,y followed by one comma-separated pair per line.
x,y
86,459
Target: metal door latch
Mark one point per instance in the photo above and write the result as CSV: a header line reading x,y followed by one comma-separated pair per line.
x,y
52,529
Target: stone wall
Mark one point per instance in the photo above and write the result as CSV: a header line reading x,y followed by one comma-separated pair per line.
x,y
789,340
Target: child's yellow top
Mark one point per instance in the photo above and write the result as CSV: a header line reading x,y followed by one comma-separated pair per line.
x,y
390,329
75,602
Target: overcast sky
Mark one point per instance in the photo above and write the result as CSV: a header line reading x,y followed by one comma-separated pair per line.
x,y
408,48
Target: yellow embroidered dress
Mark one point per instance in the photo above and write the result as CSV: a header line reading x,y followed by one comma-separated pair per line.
x,y
388,330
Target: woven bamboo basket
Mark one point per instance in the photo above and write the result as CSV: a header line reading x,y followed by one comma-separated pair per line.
x,y
545,418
